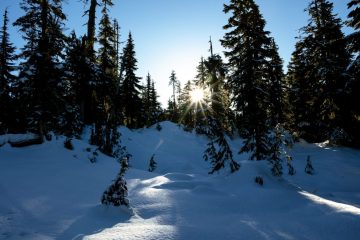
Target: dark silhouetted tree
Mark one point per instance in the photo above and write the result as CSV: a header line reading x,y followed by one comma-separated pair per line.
x,y
7,78
130,87
247,43
317,75
173,108
42,68
353,42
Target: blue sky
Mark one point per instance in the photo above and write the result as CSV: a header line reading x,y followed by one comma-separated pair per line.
x,y
174,34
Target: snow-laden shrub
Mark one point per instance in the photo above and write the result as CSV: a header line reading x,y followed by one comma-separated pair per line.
x,y
116,194
152,163
309,169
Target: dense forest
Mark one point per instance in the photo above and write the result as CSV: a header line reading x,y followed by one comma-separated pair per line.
x,y
58,83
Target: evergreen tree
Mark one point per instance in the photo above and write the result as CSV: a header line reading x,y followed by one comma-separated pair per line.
x,y
90,101
219,104
321,71
73,84
117,192
91,27
218,150
200,78
42,69
116,27
155,104
353,87
281,142
150,102
131,88
175,84
105,122
247,43
186,107
152,163
300,93
146,100
354,22
7,78
276,88
201,108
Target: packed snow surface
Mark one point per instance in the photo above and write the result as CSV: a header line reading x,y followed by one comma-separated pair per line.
x,y
49,192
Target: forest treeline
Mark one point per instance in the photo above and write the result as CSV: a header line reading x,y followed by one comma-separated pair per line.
x,y
58,83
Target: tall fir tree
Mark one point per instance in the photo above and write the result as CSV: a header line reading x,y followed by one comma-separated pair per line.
x,y
88,107
42,68
130,87
151,105
187,107
173,108
105,130
77,70
247,43
155,104
146,100
215,81
218,150
202,109
91,28
7,78
354,22
276,86
201,75
353,41
321,71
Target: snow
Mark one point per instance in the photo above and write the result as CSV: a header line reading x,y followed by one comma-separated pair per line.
x,y
13,138
49,192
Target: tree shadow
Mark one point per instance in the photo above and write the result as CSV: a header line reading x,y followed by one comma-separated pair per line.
x,y
95,220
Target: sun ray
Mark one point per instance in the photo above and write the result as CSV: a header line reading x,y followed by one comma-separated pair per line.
x,y
197,95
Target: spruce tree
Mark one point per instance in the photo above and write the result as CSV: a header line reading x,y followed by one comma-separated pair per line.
x,y
130,87
105,122
219,104
321,73
151,105
175,84
73,84
41,69
354,22
91,28
247,43
7,78
155,105
146,98
353,42
152,163
202,109
201,75
88,107
116,194
218,150
276,85
186,106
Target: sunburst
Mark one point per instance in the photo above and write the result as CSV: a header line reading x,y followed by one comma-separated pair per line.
x,y
197,95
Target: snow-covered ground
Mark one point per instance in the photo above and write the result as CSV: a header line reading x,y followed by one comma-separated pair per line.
x,y
49,192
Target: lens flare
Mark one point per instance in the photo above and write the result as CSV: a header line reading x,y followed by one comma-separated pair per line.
x,y
197,95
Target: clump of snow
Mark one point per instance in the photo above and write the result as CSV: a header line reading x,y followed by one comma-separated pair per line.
x,y
49,192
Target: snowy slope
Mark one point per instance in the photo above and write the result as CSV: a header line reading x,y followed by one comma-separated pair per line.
x,y
49,192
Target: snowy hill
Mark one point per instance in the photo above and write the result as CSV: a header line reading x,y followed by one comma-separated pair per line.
x,y
49,192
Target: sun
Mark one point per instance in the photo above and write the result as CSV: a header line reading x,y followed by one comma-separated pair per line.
x,y
197,95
